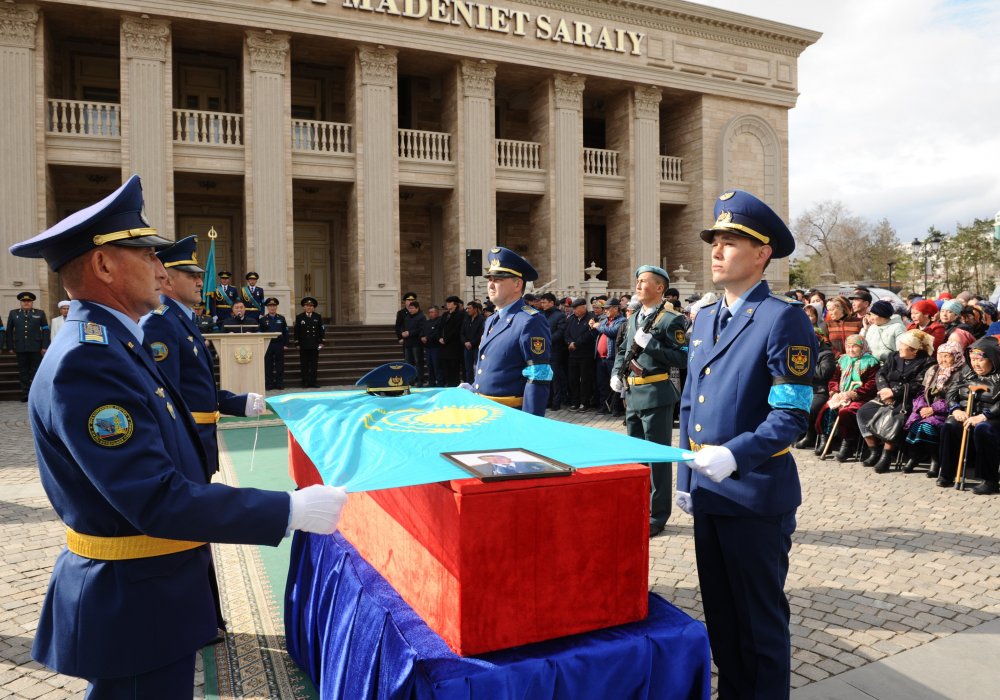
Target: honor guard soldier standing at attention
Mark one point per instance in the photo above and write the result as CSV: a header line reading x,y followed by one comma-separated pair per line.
x,y
274,358
513,366
651,396
130,602
253,297
746,400
309,333
28,337
223,297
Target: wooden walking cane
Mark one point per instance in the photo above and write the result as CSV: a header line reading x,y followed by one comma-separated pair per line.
x,y
833,433
960,477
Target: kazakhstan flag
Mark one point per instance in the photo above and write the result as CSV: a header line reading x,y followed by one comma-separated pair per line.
x,y
369,442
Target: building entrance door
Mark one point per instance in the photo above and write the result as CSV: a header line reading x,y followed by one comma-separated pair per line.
x,y
314,269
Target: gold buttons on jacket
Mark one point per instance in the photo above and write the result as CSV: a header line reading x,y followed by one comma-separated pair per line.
x,y
701,399
708,370
697,428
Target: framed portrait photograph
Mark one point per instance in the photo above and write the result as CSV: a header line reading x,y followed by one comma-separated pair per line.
x,y
512,463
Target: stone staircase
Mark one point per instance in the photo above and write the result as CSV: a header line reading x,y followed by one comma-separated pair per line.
x,y
348,353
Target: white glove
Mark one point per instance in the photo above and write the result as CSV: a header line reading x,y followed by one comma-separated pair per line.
x,y
255,405
616,384
684,502
316,508
715,462
642,338
466,386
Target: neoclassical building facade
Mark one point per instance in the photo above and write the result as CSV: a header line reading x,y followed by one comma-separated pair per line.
x,y
352,150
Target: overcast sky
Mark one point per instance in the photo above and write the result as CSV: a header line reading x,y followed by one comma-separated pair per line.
x,y
899,111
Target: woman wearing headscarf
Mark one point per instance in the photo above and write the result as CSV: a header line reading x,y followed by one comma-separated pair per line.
x,y
897,382
930,408
840,323
950,316
983,447
923,313
884,327
822,373
851,386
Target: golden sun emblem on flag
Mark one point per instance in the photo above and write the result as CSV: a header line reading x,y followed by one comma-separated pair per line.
x,y
441,419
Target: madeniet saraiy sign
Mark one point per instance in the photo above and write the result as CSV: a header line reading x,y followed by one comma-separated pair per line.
x,y
503,20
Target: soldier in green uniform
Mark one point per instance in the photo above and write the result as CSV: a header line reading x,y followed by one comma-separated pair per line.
x,y
651,396
27,336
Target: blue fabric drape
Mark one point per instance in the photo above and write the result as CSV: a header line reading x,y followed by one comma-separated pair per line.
x,y
356,638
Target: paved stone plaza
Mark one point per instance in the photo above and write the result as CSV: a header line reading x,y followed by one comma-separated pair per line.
x,y
881,568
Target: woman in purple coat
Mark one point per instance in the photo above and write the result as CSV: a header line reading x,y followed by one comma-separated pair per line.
x,y
930,408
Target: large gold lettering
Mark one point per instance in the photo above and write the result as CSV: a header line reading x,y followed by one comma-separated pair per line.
x,y
439,11
582,34
388,7
604,40
358,4
543,27
562,33
483,12
499,19
636,39
415,8
620,40
463,10
520,16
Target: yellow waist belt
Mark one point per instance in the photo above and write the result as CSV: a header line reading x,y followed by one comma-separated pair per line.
x,y
695,447
126,547
512,401
649,379
204,418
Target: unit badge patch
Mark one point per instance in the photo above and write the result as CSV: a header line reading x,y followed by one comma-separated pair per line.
x,y
110,426
797,359
537,345
159,351
680,337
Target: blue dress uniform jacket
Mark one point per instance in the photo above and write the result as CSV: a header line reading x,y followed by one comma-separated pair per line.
x,y
223,297
509,348
183,358
738,394
27,331
274,324
253,299
119,456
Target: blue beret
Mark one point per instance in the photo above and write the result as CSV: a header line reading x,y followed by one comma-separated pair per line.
x,y
507,263
182,255
743,214
390,378
117,219
655,270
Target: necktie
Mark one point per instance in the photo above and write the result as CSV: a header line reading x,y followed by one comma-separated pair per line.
x,y
724,317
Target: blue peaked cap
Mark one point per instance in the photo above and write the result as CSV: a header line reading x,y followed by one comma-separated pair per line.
x,y
507,263
118,219
182,255
391,378
743,214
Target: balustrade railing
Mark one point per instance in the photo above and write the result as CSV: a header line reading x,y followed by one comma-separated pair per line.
x,y
524,155
670,169
600,161
424,145
79,118
321,137
215,128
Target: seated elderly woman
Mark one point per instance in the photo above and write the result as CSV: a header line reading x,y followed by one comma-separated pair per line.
x,y
851,386
981,419
930,408
840,323
897,383
822,373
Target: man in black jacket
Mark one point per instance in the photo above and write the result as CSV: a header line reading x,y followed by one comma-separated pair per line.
x,y
472,334
451,342
580,343
409,338
549,306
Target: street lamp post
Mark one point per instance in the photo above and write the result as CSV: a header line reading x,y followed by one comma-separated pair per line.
x,y
931,245
891,264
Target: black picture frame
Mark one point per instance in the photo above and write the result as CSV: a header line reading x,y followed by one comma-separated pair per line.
x,y
517,463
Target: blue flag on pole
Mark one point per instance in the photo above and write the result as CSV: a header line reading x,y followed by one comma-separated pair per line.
x,y
367,442
209,289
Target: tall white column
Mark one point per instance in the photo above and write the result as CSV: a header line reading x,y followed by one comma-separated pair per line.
x,y
147,114
566,180
478,155
377,189
19,203
645,185
268,191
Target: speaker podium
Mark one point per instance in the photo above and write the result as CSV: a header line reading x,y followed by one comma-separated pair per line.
x,y
241,360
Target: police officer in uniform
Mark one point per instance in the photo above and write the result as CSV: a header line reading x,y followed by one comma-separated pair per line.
x,y
651,396
223,297
129,602
253,297
309,332
513,366
747,397
274,358
27,336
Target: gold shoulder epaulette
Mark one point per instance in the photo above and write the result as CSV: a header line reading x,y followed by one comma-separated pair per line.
x,y
159,310
530,310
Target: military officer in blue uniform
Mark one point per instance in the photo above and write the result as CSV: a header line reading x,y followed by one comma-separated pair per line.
x,y
223,297
27,335
747,397
513,366
650,396
130,602
253,297
274,357
181,353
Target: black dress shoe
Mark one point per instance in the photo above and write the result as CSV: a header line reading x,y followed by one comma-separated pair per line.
x,y
820,444
935,468
807,442
987,488
910,465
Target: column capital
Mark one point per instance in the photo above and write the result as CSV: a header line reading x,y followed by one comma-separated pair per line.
x,y
378,66
17,25
267,51
145,38
647,102
478,78
569,91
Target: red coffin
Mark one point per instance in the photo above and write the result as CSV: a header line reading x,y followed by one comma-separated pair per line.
x,y
496,565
